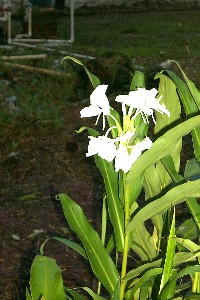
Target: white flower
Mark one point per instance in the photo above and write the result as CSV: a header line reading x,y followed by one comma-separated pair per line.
x,y
124,160
99,104
144,101
125,137
103,146
139,147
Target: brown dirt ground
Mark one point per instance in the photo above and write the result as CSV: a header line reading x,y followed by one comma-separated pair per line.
x,y
49,164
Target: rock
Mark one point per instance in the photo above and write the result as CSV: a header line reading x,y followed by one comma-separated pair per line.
x,y
15,237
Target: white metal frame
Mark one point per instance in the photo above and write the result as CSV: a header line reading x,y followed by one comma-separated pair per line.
x,y
26,38
7,17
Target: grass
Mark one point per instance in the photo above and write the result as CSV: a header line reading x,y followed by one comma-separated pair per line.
x,y
104,33
167,33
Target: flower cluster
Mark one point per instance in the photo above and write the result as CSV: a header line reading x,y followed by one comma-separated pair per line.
x,y
120,148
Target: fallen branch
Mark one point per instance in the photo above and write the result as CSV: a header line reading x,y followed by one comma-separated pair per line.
x,y
19,57
37,70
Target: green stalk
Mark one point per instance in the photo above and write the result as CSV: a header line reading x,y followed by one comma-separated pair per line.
x,y
195,283
126,238
103,232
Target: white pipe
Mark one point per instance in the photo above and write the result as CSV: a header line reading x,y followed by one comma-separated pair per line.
x,y
50,49
29,21
5,7
19,39
9,22
72,20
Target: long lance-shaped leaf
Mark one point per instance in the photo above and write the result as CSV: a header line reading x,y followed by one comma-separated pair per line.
x,y
162,147
92,294
190,245
150,274
101,263
138,81
168,264
167,90
187,271
74,295
46,279
115,208
67,243
93,79
190,108
179,258
192,203
191,86
175,196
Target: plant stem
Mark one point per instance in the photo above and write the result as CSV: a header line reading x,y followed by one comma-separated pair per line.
x,y
195,282
126,238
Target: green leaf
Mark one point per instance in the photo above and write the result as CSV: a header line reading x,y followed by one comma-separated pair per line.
x,y
162,147
101,263
115,207
150,274
188,230
187,271
191,86
75,294
179,258
113,122
190,108
92,294
192,203
28,295
93,79
192,170
138,80
183,257
104,221
170,99
116,294
152,187
175,196
67,243
143,243
190,245
168,265
46,279
141,269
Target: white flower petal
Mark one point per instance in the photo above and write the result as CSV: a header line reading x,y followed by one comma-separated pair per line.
x,y
122,159
90,111
123,99
145,144
125,137
99,98
103,146
107,150
93,146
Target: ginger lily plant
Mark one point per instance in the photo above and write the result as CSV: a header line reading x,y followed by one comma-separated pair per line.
x,y
143,183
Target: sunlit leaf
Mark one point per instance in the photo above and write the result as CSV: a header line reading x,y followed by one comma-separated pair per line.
x,y
187,271
175,196
93,78
168,264
161,147
46,279
101,263
115,207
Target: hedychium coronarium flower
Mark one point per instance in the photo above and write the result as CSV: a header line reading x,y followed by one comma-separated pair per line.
x,y
118,149
125,148
99,104
142,101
